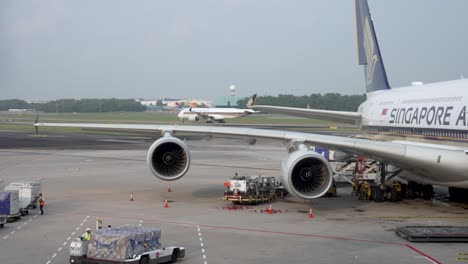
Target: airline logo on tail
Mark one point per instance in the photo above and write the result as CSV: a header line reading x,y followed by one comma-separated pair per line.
x,y
371,57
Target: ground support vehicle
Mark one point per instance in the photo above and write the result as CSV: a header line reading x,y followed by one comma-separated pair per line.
x,y
9,205
128,244
250,189
28,191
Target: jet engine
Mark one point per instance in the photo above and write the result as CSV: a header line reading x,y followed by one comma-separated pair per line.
x,y
168,158
306,174
194,118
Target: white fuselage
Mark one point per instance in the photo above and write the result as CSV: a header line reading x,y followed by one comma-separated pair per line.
x,y
433,113
212,114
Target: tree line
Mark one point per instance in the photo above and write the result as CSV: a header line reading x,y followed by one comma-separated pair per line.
x,y
78,106
329,101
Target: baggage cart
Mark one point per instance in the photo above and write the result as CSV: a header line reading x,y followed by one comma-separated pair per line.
x,y
29,192
128,244
9,205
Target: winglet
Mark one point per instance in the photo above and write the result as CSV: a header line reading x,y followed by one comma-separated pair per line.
x,y
251,101
368,49
36,127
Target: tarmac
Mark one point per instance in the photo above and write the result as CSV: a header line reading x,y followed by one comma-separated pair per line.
x,y
92,176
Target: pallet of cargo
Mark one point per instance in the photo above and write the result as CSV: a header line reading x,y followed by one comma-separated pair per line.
x,y
128,244
433,233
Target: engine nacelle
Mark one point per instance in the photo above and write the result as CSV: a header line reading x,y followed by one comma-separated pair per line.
x,y
168,158
194,118
306,174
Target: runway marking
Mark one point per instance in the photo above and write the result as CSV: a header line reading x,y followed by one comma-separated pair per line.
x,y
268,232
19,227
141,221
201,244
68,239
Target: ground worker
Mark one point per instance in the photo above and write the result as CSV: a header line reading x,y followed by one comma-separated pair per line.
x,y
41,203
87,235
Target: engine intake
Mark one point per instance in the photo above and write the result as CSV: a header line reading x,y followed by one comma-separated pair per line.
x,y
168,158
306,174
195,118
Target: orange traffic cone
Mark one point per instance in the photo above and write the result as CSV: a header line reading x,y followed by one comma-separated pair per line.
x,y
169,189
131,197
310,214
270,210
166,205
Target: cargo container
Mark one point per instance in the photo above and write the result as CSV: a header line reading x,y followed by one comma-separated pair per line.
x,y
29,192
9,205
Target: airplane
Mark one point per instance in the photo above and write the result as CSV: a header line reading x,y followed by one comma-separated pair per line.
x,y
210,115
432,119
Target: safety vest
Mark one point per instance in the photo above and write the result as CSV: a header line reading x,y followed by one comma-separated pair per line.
x,y
86,236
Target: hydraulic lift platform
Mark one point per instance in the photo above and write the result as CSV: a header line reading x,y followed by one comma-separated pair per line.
x,y
433,233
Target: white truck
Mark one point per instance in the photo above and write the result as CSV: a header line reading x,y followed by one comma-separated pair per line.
x,y
128,244
29,192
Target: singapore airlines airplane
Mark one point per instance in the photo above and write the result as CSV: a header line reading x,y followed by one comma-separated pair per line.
x,y
211,115
433,114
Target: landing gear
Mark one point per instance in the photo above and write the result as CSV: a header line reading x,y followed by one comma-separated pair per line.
x,y
458,194
418,190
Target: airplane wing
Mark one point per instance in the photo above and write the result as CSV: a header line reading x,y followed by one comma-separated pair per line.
x,y
336,116
430,161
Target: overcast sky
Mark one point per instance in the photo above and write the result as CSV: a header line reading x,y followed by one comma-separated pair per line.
x,y
196,49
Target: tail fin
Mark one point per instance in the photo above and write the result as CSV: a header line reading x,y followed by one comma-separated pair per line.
x,y
368,49
251,101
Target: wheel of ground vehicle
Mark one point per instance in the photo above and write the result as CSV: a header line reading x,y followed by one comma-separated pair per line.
x,y
395,195
144,260
235,202
1,225
378,194
175,255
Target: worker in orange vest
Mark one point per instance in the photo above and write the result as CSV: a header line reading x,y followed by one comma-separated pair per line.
x,y
41,203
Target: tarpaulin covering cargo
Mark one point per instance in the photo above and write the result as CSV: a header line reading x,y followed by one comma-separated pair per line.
x,y
120,243
9,203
